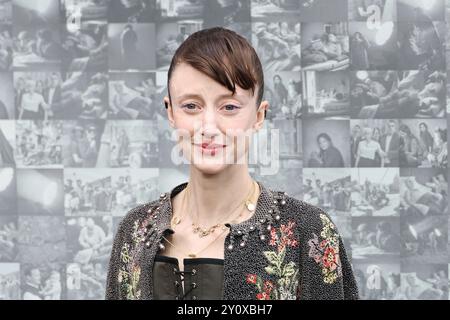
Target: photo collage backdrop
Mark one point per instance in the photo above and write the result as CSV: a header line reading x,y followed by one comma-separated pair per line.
x,y
358,95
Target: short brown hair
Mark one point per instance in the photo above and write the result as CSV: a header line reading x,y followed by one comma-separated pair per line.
x,y
223,55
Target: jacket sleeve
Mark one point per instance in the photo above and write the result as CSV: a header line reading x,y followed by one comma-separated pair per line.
x,y
112,280
326,272
349,285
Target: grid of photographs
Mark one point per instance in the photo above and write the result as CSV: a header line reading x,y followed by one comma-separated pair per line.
x,y
358,96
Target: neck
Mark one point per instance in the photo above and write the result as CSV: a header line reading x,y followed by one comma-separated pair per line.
x,y
214,196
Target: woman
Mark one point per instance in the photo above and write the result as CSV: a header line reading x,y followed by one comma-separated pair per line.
x,y
280,91
438,156
368,150
359,55
329,156
209,238
411,151
33,105
426,138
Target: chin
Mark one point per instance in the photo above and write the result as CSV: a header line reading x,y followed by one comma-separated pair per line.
x,y
210,168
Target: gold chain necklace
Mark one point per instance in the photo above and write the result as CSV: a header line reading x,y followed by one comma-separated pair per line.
x,y
191,254
177,219
203,232
249,205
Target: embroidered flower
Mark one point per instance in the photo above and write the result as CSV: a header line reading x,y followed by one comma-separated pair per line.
x,y
326,251
330,258
251,278
263,296
285,287
130,271
268,286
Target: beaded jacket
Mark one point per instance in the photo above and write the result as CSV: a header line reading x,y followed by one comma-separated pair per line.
x,y
287,250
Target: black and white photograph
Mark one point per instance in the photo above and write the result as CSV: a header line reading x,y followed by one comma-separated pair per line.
x,y
6,46
38,95
283,90
169,37
278,45
407,94
40,192
424,239
326,94
43,281
87,192
423,143
84,95
136,96
37,49
424,192
425,281
133,187
420,10
328,188
375,192
171,10
86,47
39,144
422,44
135,11
86,281
81,142
8,238
323,10
131,46
6,11
7,143
372,11
73,11
326,143
9,281
274,10
376,238
373,47
133,144
275,181
8,192
89,240
6,96
31,13
290,143
374,143
373,93
42,240
226,13
325,46
378,281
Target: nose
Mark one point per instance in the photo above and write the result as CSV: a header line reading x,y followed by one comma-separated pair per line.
x,y
208,126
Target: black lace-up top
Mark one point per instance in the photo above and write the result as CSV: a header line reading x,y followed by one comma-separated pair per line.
x,y
202,278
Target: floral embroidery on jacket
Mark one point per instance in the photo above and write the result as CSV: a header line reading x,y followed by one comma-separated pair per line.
x,y
130,271
287,273
325,250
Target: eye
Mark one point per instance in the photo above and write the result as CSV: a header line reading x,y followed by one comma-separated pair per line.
x,y
231,107
189,107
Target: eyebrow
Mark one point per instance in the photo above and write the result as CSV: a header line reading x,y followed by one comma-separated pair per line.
x,y
222,96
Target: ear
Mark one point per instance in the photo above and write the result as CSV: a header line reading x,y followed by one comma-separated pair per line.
x,y
261,115
169,111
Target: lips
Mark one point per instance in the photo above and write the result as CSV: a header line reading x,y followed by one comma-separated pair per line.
x,y
207,145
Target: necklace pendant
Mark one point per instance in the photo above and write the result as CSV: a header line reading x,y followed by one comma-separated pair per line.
x,y
176,220
192,255
250,206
